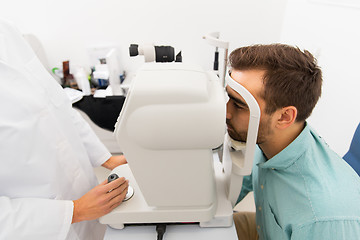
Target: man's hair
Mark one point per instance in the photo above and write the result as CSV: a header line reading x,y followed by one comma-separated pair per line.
x,y
292,77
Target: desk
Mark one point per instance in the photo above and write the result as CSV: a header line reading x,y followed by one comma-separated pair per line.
x,y
173,232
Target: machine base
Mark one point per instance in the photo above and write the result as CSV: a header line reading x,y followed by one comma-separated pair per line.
x,y
136,210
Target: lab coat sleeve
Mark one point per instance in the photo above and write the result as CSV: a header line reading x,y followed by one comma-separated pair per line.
x,y
247,187
330,229
95,149
31,218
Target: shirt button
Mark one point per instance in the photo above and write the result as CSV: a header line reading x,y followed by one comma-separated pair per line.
x,y
262,186
258,227
260,208
273,168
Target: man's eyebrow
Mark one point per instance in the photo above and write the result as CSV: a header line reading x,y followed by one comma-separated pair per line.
x,y
237,100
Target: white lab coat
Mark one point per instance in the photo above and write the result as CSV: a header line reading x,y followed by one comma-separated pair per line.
x,y
47,151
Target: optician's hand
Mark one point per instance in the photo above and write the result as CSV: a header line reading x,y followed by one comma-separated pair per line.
x,y
114,161
100,200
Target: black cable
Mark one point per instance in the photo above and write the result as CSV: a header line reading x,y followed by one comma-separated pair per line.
x,y
160,229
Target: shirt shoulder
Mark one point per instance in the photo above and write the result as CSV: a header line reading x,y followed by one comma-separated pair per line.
x,y
326,177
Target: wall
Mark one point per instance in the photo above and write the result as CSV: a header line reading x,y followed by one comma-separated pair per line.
x,y
331,32
66,28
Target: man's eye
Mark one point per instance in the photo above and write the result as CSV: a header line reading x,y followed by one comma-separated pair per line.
x,y
237,106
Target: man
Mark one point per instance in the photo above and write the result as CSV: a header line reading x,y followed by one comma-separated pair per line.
x,y
48,189
302,189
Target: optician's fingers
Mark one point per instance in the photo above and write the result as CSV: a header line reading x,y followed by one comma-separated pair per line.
x,y
116,201
117,191
104,182
114,184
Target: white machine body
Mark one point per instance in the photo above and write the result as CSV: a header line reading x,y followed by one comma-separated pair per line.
x,y
173,116
238,156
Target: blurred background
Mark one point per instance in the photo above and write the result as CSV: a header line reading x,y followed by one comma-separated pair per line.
x,y
75,30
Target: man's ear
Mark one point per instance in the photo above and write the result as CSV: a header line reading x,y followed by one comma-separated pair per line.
x,y
287,116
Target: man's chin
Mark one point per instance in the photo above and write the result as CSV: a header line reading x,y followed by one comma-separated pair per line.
x,y
236,137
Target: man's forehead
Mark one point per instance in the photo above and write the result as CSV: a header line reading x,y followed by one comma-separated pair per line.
x,y
252,80
230,91
235,96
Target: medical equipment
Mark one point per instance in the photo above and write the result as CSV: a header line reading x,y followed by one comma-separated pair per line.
x,y
112,177
130,191
114,72
108,72
155,53
173,116
100,76
213,39
238,156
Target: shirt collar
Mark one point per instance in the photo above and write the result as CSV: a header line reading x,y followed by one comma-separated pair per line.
x,y
291,153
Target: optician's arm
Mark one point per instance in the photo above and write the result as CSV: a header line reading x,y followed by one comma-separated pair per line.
x,y
95,149
97,152
43,219
34,218
114,161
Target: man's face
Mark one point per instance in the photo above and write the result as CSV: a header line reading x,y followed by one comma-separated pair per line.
x,y
237,111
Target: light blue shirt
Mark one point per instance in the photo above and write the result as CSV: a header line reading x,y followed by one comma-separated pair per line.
x,y
305,192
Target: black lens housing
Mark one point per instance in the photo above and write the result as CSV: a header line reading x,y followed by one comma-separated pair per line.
x,y
134,50
164,54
